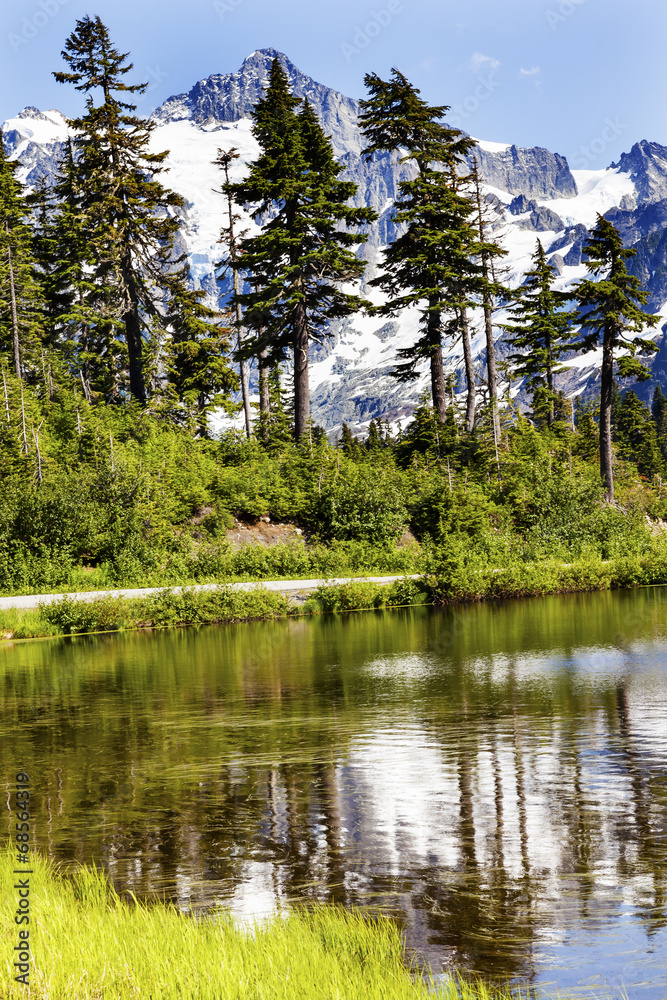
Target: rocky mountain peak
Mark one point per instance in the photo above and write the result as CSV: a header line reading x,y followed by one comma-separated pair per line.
x,y
534,172
646,163
228,97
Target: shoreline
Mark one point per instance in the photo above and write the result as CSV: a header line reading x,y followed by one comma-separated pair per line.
x,y
96,612
100,944
30,601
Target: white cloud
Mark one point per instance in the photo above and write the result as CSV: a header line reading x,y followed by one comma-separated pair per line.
x,y
480,63
533,71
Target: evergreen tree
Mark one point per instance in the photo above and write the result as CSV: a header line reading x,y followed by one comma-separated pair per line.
x,y
375,437
79,320
275,422
586,441
431,265
659,414
21,317
296,265
636,435
610,309
197,365
348,443
426,435
541,330
125,208
45,254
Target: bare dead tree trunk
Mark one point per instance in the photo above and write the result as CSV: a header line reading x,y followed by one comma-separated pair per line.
x,y
438,389
301,383
487,302
470,371
606,394
264,395
15,318
86,389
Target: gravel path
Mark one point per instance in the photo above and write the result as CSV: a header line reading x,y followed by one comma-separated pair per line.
x,y
283,586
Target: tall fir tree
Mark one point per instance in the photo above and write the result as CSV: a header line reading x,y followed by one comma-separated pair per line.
x,y
609,306
197,365
275,420
21,300
635,433
542,330
432,264
298,263
80,322
127,213
659,415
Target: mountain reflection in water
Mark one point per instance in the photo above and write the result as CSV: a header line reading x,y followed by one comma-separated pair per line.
x,y
494,776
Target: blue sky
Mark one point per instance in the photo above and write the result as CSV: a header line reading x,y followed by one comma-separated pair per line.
x,y
582,77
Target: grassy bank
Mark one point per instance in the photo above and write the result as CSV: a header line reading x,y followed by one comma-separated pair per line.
x,y
222,606
291,560
458,574
89,944
452,576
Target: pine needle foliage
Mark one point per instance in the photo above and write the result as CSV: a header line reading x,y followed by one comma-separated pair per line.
x,y
610,310
296,267
21,321
128,215
542,330
432,265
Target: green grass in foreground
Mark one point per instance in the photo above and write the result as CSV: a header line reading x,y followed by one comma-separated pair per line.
x,y
88,944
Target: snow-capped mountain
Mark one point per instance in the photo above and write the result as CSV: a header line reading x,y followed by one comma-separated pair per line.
x,y
532,191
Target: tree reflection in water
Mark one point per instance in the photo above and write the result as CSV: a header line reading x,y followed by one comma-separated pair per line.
x,y
493,775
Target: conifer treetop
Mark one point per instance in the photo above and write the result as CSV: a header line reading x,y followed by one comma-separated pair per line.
x,y
611,304
395,117
95,62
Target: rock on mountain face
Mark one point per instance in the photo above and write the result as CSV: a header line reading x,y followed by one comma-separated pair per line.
x,y
37,139
230,96
646,164
534,193
535,173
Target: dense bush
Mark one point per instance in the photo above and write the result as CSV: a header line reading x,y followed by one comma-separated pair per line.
x,y
120,497
367,503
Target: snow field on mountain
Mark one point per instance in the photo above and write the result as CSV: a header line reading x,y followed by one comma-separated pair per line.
x,y
350,372
193,174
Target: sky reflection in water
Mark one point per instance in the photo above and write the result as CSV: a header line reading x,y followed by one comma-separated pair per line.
x,y
495,776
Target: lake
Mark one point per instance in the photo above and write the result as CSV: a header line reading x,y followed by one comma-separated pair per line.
x,y
494,776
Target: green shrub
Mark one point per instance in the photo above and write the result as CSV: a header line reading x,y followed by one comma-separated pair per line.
x,y
367,504
68,615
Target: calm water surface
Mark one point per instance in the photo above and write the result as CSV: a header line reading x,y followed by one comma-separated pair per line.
x,y
494,776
